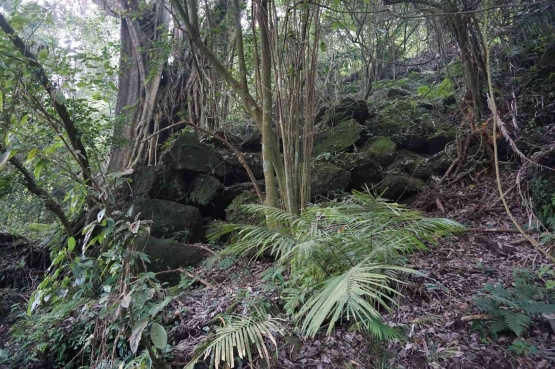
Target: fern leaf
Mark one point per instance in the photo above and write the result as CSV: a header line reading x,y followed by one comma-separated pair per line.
x,y
516,322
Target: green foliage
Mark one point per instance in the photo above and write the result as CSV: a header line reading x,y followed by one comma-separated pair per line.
x,y
82,303
238,335
83,73
513,308
522,348
55,333
543,195
437,91
338,254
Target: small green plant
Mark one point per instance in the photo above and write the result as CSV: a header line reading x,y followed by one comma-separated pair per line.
x,y
235,338
439,91
84,305
544,198
325,156
522,348
512,308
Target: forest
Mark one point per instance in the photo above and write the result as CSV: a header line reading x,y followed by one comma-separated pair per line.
x,y
277,184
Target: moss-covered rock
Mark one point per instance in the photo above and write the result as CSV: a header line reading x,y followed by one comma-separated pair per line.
x,y
367,165
397,93
412,164
403,122
347,109
170,219
204,190
236,214
167,254
396,187
327,177
439,164
187,153
237,172
338,138
382,147
440,138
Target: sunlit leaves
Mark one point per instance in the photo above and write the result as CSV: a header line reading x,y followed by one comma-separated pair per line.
x,y
31,155
70,244
4,158
158,336
136,334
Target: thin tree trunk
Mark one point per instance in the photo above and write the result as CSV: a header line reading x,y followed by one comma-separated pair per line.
x,y
266,85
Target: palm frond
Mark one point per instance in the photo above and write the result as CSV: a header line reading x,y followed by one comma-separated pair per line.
x,y
357,293
237,338
253,239
324,247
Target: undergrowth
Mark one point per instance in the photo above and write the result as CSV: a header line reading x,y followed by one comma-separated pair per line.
x,y
337,263
513,308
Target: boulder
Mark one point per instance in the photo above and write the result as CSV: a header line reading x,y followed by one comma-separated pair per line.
x,y
204,190
347,109
252,141
170,219
338,138
232,138
152,182
236,214
143,180
412,164
437,141
237,172
165,254
404,123
397,93
327,177
439,163
383,149
396,187
187,153
231,192
171,185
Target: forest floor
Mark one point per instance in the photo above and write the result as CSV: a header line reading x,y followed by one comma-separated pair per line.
x,y
429,314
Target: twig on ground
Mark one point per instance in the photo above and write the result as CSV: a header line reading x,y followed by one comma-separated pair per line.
x,y
188,274
475,317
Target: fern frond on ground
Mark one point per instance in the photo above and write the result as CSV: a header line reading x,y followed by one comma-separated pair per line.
x,y
512,308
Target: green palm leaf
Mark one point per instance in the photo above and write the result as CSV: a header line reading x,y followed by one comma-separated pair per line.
x,y
355,294
237,337
324,247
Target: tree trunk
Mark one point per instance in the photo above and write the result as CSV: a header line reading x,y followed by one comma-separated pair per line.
x,y
142,28
266,85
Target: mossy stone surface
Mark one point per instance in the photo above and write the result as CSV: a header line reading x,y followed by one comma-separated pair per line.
x,y
338,138
327,177
186,152
204,189
170,219
412,164
396,187
236,214
382,147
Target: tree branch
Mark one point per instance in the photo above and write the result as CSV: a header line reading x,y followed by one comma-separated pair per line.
x,y
429,3
49,202
61,109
